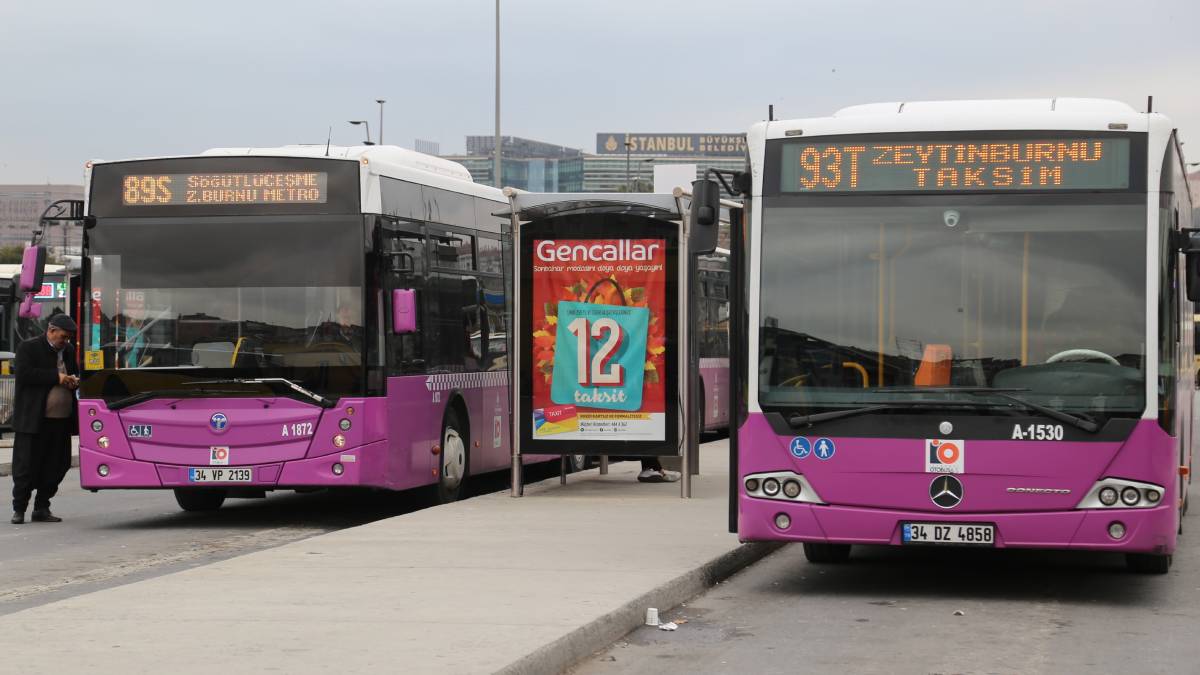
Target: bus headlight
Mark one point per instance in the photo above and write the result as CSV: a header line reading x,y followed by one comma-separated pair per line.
x,y
344,424
791,488
1130,496
781,486
97,426
1119,493
102,470
339,441
102,441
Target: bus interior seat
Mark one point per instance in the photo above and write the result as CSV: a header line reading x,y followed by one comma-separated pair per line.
x,y
934,370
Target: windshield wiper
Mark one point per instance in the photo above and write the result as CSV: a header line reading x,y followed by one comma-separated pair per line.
x,y
269,381
1065,417
1008,395
809,420
164,393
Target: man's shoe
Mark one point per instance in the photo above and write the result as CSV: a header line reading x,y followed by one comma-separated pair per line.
x,y
651,476
18,517
44,516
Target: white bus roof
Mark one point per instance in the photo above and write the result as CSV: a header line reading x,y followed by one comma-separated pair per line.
x,y
1084,114
381,160
379,156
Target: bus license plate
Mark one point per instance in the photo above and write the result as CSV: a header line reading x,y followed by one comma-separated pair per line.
x,y
949,533
219,475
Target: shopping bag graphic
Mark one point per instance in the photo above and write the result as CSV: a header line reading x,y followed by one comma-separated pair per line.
x,y
600,355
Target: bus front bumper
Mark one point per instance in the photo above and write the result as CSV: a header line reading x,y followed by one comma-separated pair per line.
x,y
357,466
1148,530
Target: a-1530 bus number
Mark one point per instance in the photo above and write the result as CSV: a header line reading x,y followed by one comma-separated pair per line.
x,y
1037,432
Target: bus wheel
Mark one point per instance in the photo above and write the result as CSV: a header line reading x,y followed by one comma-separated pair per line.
x,y
454,460
1148,563
826,553
199,499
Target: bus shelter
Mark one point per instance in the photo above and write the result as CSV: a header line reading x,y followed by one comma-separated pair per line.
x,y
600,290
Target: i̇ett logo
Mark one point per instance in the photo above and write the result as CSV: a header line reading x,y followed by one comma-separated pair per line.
x,y
218,422
944,456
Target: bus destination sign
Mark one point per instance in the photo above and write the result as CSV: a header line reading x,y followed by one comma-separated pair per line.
x,y
198,189
1034,164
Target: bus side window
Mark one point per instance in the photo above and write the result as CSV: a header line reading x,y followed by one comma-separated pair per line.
x,y
494,323
403,257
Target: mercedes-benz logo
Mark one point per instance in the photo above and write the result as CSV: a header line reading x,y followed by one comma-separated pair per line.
x,y
946,491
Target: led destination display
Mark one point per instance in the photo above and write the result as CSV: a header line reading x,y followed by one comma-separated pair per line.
x,y
183,189
1082,163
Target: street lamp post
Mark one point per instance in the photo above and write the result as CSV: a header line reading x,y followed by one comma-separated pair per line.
x,y
496,147
380,101
368,125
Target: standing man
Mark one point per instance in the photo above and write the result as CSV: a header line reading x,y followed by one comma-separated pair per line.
x,y
44,417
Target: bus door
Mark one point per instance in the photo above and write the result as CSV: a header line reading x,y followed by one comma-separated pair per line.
x,y
404,265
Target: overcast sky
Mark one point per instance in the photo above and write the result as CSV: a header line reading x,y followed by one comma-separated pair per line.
x,y
84,79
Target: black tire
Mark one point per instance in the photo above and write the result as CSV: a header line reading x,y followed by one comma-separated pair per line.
x,y
200,499
1148,563
454,457
821,554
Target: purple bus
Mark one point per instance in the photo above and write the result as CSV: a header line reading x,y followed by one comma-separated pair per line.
x,y
967,326
295,317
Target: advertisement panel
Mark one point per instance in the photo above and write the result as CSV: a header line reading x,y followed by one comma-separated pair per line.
x,y
598,334
599,339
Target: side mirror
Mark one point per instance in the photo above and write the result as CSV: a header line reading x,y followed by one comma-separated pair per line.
x,y
1193,277
705,216
1191,250
404,311
33,264
30,308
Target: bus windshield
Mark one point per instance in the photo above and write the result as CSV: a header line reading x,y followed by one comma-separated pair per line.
x,y
894,299
248,296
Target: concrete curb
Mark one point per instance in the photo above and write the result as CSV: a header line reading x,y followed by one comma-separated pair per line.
x,y
6,467
586,640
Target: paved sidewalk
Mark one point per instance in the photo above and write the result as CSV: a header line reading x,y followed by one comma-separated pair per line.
x,y
526,585
6,444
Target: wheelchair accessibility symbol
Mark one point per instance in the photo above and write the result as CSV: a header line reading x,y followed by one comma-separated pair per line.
x,y
800,447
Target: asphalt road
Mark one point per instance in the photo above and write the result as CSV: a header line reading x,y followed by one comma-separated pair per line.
x,y
894,611
115,537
